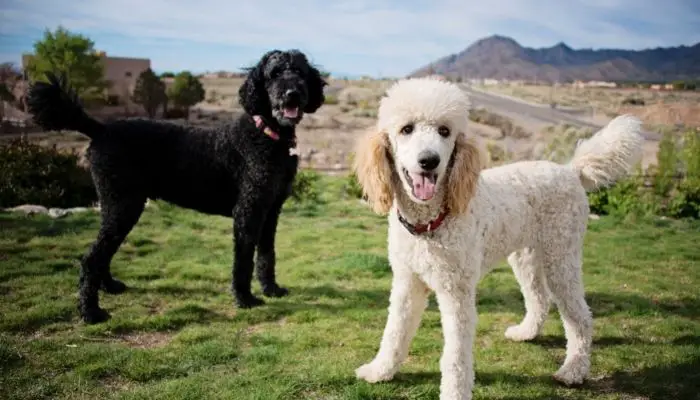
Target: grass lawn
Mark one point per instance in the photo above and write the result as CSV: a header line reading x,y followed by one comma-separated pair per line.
x,y
175,333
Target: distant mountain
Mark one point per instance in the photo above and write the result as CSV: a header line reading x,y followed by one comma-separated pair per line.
x,y
501,57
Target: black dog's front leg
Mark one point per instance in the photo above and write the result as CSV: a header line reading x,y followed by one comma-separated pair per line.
x,y
266,254
247,221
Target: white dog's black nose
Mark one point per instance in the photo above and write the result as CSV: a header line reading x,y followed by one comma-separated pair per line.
x,y
428,160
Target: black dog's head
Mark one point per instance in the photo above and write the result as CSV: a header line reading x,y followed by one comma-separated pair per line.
x,y
283,85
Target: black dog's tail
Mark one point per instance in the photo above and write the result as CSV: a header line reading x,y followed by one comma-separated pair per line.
x,y
54,106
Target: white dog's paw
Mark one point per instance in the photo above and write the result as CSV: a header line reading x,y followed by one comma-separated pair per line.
x,y
521,333
574,371
375,372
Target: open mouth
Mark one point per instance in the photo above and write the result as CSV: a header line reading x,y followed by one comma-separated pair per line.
x,y
290,111
422,184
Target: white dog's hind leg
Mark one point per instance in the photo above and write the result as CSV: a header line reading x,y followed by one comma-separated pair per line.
x,y
566,284
533,285
459,317
407,302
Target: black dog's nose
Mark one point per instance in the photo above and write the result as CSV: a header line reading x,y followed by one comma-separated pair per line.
x,y
428,160
291,94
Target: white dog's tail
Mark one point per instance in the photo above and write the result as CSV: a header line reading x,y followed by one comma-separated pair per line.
x,y
608,155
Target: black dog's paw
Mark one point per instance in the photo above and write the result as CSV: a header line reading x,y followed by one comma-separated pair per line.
x,y
249,302
95,316
114,286
275,291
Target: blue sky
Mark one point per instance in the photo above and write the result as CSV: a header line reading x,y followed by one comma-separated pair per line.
x,y
354,37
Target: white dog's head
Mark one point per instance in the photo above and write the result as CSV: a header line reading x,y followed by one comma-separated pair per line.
x,y
420,145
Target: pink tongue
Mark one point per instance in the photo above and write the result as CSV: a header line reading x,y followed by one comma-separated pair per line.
x,y
291,112
423,188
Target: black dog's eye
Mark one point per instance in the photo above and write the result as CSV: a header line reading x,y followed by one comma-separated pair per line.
x,y
444,131
407,129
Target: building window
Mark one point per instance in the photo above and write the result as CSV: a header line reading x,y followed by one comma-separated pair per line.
x,y
128,74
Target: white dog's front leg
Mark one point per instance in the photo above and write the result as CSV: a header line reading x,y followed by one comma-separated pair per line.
x,y
458,314
406,305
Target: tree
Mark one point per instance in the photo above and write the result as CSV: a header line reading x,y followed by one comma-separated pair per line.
x,y
149,92
187,91
72,55
9,77
167,74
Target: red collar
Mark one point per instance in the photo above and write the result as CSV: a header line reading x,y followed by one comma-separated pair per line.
x,y
422,228
260,124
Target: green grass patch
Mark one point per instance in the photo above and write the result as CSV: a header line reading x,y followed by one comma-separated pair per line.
x,y
175,333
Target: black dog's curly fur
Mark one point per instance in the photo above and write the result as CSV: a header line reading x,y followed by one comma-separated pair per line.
x,y
235,171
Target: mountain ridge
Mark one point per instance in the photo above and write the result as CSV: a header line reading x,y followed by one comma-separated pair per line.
x,y
502,57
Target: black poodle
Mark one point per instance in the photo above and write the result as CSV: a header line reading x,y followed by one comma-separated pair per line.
x,y
242,170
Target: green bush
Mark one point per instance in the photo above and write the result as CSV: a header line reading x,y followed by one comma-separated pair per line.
x,y
305,188
33,174
686,202
352,186
186,91
670,188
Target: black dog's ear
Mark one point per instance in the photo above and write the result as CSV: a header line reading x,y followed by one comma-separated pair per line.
x,y
252,95
315,85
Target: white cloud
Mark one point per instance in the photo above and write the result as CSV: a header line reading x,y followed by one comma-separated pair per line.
x,y
397,36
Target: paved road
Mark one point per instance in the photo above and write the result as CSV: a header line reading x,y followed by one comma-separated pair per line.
x,y
539,113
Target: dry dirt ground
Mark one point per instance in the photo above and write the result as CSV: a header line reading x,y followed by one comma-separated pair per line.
x,y
661,107
326,138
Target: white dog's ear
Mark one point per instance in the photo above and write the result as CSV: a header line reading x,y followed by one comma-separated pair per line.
x,y
464,172
372,166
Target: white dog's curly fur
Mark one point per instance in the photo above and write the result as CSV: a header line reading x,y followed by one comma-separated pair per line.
x,y
419,162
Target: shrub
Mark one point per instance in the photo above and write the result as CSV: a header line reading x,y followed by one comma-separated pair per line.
x,y
669,188
330,99
633,101
497,154
564,139
351,186
174,113
305,187
149,92
628,197
686,202
186,91
213,97
504,124
33,174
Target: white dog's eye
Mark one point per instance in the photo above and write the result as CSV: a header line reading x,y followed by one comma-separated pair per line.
x,y
407,129
444,131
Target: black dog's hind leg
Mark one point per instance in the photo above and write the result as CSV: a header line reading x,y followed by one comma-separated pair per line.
x,y
118,218
265,267
248,217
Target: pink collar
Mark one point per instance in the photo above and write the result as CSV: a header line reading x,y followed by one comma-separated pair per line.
x,y
260,124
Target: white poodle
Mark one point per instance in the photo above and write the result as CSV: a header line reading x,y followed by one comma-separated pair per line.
x,y
450,223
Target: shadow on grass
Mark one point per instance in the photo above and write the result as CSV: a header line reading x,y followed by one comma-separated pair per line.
x,y
603,304
676,381
550,341
23,229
